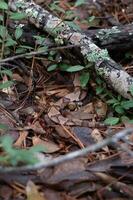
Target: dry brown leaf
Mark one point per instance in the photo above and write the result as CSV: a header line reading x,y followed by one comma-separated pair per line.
x,y
37,128
21,139
74,96
6,192
17,77
49,147
58,92
61,131
32,192
88,108
53,112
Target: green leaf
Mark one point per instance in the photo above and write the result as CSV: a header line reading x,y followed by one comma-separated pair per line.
x,y
26,47
3,5
112,101
39,39
6,143
3,31
7,72
90,19
63,66
44,48
10,42
119,109
79,2
73,25
3,127
99,90
52,67
111,121
7,51
1,18
20,50
53,6
37,148
6,84
130,121
84,78
124,118
18,32
17,16
127,104
75,68
131,89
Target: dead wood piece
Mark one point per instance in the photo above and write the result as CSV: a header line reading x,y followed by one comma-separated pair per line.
x,y
115,38
112,73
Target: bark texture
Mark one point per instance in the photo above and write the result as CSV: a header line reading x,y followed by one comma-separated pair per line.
x,y
104,65
115,38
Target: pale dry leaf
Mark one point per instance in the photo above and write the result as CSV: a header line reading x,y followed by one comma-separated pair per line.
x,y
21,139
76,81
96,135
32,192
49,147
74,96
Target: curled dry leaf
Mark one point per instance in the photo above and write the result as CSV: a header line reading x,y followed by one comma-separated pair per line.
x,y
21,139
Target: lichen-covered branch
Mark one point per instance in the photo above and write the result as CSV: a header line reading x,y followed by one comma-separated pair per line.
x,y
115,38
104,65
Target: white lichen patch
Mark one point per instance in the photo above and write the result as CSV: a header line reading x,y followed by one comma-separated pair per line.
x,y
97,55
105,33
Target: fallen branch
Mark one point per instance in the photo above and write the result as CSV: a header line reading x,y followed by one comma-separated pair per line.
x,y
114,39
112,73
70,156
117,38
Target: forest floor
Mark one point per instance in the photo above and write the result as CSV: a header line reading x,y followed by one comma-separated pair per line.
x,y
67,110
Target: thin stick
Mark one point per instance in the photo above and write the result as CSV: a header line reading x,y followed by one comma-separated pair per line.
x,y
69,156
33,53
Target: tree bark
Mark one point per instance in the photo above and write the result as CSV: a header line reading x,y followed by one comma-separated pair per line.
x,y
104,65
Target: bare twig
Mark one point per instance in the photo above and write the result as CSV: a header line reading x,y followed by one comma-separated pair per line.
x,y
69,156
33,53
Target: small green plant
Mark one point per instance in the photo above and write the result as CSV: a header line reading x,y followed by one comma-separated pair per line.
x,y
8,41
112,121
119,107
11,156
